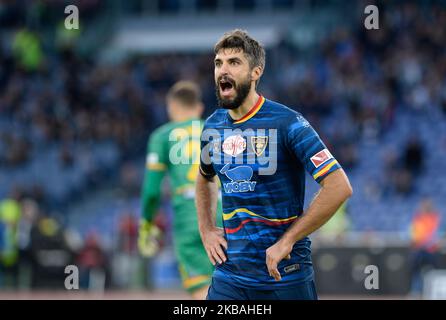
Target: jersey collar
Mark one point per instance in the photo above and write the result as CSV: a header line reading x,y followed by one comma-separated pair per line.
x,y
252,112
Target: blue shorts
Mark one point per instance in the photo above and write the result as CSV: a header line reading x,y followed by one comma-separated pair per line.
x,y
224,290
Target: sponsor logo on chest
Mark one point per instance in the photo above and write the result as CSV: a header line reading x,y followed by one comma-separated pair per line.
x,y
240,177
234,145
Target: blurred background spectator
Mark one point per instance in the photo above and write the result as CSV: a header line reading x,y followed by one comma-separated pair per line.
x,y
93,264
426,238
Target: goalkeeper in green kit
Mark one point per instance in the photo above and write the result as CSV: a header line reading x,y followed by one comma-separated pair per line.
x,y
174,148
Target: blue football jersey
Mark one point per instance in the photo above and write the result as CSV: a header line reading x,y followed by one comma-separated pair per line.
x,y
261,161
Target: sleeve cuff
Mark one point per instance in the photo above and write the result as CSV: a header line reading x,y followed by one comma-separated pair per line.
x,y
207,176
326,170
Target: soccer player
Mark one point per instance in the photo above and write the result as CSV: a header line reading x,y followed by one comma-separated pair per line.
x,y
175,148
263,252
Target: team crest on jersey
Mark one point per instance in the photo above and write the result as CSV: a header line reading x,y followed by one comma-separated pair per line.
x,y
240,179
259,144
234,145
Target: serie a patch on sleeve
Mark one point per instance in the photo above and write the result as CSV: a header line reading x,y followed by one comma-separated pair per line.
x,y
321,157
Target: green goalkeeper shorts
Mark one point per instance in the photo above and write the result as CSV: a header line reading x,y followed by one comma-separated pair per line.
x,y
195,268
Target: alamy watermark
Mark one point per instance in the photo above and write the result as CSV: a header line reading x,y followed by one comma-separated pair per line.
x,y
371,282
72,20
224,147
72,280
372,20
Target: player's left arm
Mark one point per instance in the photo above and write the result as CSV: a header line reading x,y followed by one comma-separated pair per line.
x,y
335,189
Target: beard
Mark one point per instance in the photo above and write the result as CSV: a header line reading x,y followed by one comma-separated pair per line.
x,y
242,90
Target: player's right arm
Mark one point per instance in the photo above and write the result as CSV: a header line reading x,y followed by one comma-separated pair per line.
x,y
206,204
156,166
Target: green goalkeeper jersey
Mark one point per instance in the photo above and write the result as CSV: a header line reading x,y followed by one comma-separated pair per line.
x,y
174,148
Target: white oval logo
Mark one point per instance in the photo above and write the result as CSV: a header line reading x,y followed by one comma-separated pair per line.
x,y
234,145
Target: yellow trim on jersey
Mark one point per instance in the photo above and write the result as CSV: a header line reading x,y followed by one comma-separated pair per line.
x,y
325,169
193,281
227,216
156,166
252,113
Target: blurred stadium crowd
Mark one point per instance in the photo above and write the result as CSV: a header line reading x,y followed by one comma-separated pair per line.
x,y
73,128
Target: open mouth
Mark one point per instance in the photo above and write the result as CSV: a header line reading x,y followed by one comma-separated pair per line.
x,y
226,85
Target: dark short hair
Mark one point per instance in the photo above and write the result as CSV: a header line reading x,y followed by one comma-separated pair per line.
x,y
239,39
187,93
